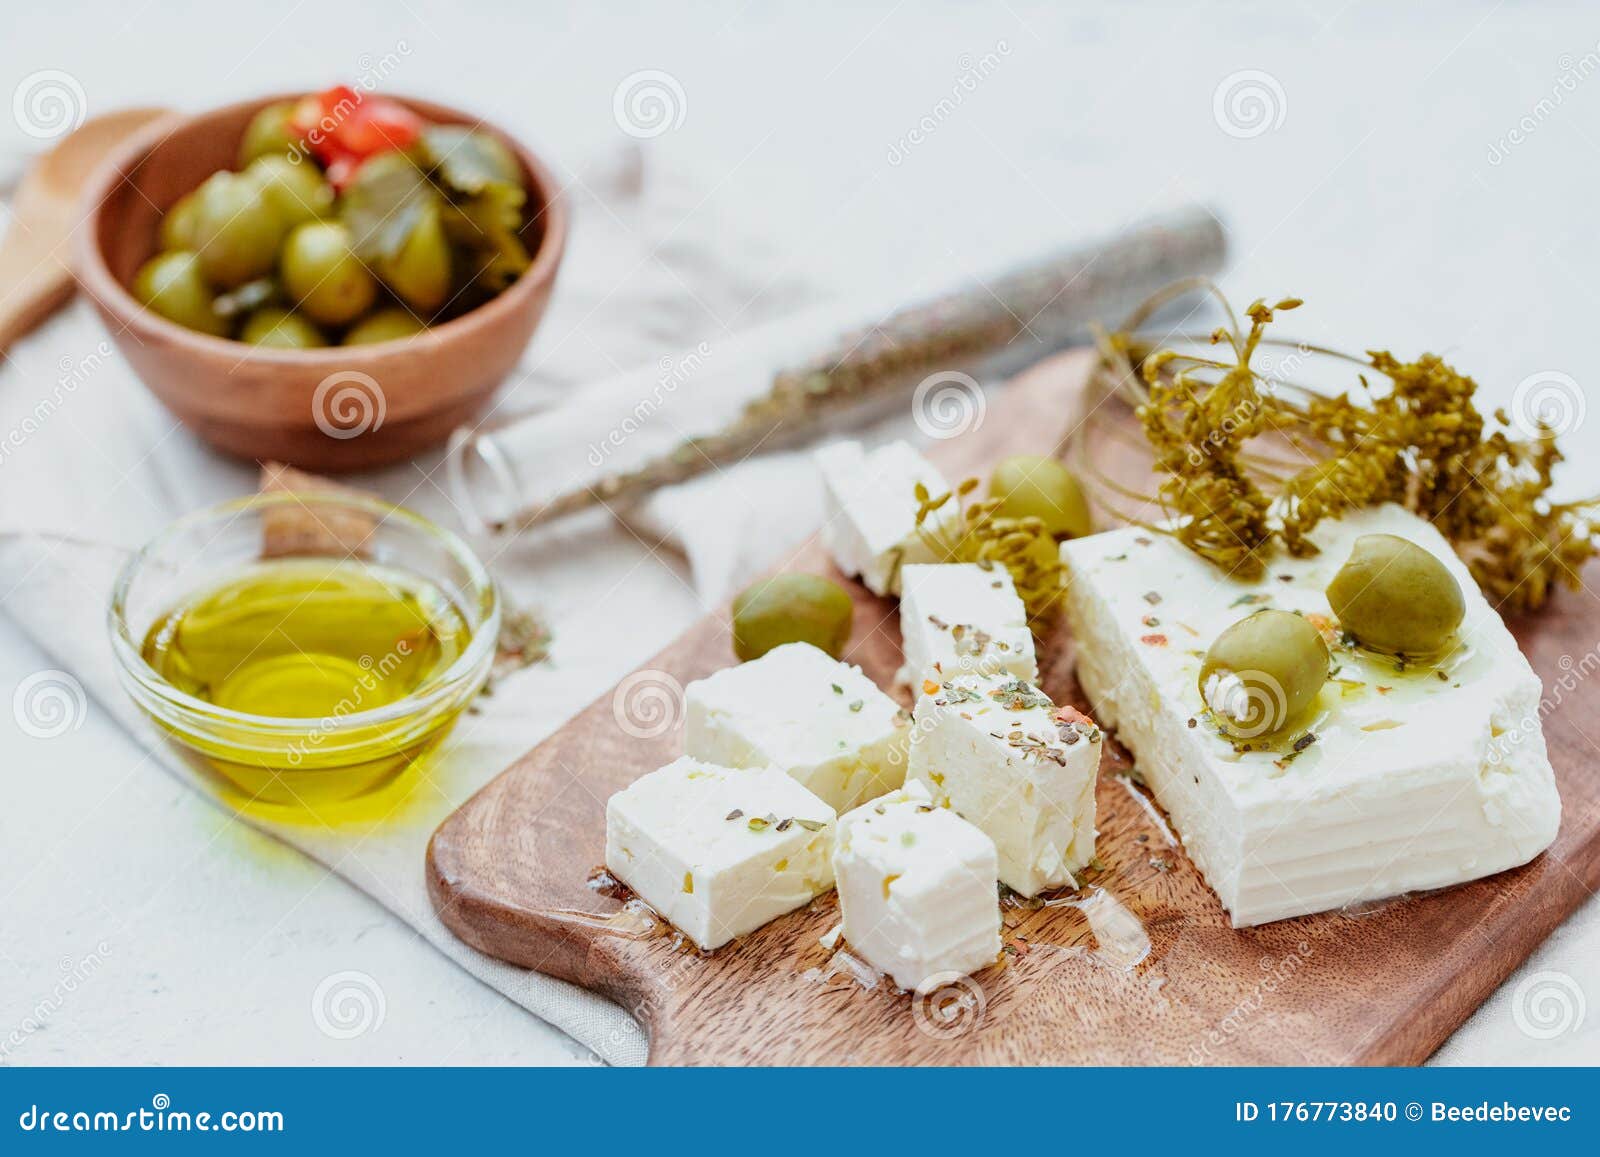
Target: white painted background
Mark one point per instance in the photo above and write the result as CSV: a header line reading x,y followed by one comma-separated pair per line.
x,y
1387,189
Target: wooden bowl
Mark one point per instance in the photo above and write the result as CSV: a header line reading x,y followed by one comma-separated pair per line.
x,y
340,408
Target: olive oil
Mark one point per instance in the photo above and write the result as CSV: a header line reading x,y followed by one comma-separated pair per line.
x,y
1366,691
314,642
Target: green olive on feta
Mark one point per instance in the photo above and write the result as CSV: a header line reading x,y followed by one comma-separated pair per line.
x,y
1263,672
791,608
1392,595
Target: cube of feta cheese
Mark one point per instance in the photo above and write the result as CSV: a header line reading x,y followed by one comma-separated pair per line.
x,y
870,509
962,617
797,708
994,748
1398,779
916,888
719,851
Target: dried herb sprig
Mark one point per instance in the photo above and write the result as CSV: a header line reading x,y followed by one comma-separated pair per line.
x,y
958,528
1227,508
1422,443
860,373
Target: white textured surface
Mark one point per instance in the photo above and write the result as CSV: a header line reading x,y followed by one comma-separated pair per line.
x,y
962,616
916,889
869,512
801,120
1010,762
820,720
717,851
1411,782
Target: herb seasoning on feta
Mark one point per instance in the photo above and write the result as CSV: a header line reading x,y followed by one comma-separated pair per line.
x,y
963,617
917,888
1392,779
997,750
676,838
820,720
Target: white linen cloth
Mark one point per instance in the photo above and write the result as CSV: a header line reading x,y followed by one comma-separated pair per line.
x,y
91,466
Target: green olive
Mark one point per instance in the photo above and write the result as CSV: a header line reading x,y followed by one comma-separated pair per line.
x,y
1028,484
1395,596
178,222
384,325
236,230
322,273
278,328
1263,672
269,134
791,608
172,285
297,191
419,274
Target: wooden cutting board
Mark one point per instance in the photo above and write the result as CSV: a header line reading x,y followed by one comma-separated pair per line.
x,y
1383,985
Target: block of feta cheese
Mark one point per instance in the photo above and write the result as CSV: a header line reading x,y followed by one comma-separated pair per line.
x,y
799,709
719,851
916,888
870,509
994,748
1396,780
962,617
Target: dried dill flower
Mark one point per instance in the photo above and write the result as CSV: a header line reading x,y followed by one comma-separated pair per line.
x,y
1421,443
957,529
1201,402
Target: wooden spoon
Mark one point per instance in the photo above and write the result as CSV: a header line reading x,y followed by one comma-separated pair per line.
x,y
35,254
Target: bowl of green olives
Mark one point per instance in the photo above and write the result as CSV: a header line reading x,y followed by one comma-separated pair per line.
x,y
335,280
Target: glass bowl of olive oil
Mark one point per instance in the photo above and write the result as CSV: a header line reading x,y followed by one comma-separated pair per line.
x,y
309,646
